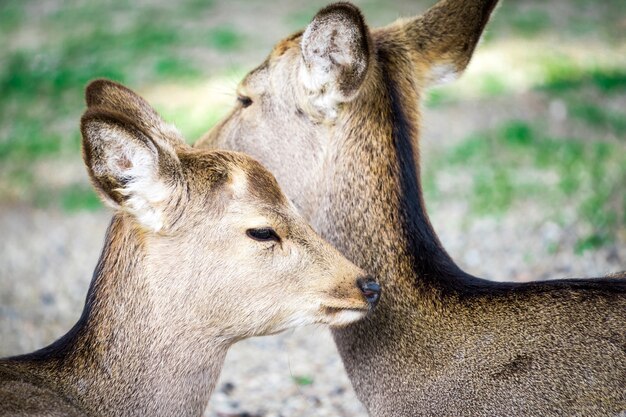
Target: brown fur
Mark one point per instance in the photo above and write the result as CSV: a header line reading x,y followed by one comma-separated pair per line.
x,y
179,280
441,342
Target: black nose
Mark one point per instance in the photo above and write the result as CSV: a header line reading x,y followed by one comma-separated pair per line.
x,y
370,289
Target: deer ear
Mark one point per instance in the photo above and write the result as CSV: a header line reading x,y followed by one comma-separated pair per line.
x,y
130,170
445,36
110,95
336,49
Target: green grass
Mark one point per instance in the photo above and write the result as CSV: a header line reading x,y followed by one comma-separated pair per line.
x,y
517,19
579,88
530,22
28,139
492,85
439,97
583,19
562,76
42,82
303,380
71,199
42,79
510,163
598,117
225,38
79,198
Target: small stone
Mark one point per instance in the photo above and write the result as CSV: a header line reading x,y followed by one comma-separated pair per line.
x,y
227,388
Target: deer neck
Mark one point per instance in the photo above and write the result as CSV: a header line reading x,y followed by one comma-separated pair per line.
x,y
126,355
372,210
372,206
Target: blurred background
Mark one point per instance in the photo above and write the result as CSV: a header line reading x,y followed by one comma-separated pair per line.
x,y
524,157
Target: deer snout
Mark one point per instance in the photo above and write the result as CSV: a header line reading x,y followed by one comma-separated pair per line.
x,y
370,289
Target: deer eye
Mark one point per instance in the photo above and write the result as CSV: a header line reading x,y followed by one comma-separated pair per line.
x,y
264,234
245,101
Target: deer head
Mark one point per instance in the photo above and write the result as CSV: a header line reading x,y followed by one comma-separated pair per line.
x,y
316,85
221,242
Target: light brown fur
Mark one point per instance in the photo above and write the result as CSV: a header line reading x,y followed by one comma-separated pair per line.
x,y
180,277
442,342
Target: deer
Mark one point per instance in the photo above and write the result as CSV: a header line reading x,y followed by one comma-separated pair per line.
x,y
334,114
203,250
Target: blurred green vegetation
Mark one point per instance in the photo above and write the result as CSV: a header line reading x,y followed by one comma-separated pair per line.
x,y
522,160
50,50
83,41
514,161
48,55
573,19
303,380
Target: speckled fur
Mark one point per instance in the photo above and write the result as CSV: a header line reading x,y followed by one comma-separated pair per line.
x,y
168,298
441,343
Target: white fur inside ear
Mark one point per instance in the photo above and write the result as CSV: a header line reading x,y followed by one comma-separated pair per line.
x,y
329,46
144,200
325,53
443,74
320,97
136,167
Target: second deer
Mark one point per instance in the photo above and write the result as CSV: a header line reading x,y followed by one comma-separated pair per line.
x,y
204,250
334,113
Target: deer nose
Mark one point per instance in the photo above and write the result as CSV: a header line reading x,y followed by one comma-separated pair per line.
x,y
370,289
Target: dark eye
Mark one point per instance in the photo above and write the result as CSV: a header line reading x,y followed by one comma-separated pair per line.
x,y
264,234
245,101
